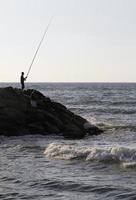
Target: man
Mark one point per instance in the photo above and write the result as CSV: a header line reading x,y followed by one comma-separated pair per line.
x,y
22,80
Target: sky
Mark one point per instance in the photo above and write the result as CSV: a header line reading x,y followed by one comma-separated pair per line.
x,y
88,40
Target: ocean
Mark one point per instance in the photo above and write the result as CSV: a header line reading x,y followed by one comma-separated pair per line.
x,y
101,167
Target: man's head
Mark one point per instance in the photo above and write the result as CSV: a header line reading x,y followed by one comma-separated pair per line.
x,y
22,73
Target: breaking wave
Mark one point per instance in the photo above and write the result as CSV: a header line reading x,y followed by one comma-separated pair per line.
x,y
125,156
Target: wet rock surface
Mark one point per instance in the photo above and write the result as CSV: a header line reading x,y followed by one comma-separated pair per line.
x,y
30,112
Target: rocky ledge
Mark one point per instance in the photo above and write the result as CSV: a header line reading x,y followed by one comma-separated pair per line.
x,y
30,112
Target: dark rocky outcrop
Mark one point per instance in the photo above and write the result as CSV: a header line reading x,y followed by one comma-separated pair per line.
x,y
30,112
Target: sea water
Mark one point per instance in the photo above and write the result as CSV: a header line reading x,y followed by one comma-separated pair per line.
x,y
99,167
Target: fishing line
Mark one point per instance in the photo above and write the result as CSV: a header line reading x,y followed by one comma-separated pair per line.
x,y
45,32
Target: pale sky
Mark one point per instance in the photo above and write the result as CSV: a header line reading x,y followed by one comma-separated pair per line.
x,y
88,40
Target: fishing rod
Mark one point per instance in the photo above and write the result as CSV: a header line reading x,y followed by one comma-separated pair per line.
x,y
45,32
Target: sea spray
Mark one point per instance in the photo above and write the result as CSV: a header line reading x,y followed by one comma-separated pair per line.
x,y
117,154
66,152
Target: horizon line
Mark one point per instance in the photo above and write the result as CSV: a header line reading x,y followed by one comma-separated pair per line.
x,y
71,82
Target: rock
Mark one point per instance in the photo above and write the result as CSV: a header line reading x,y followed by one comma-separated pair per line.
x,y
30,112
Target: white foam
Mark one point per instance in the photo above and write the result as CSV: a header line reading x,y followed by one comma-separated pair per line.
x,y
123,155
129,165
65,152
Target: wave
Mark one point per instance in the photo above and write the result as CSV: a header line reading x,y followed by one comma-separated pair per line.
x,y
125,156
113,111
113,125
108,102
127,103
84,188
107,126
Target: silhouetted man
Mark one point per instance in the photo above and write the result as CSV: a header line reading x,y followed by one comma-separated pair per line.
x,y
22,80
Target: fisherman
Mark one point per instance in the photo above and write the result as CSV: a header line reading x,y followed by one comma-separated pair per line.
x,y
22,80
